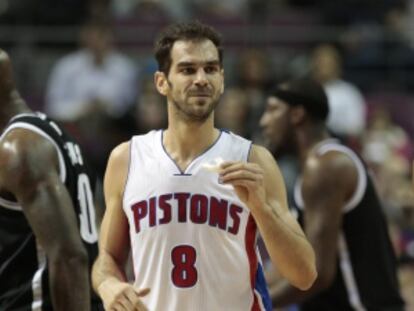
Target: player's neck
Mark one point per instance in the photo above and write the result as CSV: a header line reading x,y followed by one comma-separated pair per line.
x,y
10,107
308,139
185,141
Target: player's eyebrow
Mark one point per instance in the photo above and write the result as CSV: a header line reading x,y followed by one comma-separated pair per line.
x,y
189,64
213,63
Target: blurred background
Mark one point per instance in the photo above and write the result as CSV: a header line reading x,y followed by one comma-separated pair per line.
x,y
89,64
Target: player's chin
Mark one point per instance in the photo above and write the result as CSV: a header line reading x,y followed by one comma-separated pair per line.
x,y
202,109
200,101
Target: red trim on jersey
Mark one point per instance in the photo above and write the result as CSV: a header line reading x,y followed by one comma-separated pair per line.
x,y
250,241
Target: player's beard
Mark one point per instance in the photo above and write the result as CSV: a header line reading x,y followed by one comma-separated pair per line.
x,y
285,145
190,115
186,111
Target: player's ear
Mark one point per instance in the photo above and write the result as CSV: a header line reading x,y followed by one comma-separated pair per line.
x,y
161,83
297,114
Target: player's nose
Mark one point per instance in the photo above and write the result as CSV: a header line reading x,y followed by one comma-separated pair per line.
x,y
263,121
201,77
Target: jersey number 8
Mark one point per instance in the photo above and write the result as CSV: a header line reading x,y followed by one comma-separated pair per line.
x,y
184,273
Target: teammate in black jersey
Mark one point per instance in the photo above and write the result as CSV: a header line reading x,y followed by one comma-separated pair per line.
x,y
337,206
48,235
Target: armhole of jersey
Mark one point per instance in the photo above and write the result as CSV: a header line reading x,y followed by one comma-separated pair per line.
x,y
249,150
129,170
32,128
14,206
360,187
26,114
62,168
362,176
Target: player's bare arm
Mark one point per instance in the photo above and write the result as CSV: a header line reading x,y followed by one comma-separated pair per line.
x,y
334,174
30,172
260,186
108,274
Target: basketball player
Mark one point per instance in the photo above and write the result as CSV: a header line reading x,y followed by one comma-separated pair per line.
x,y
190,200
48,236
337,206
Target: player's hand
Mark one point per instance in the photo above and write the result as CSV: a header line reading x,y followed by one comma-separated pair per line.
x,y
247,180
121,296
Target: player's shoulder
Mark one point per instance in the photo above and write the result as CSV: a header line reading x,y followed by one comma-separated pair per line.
x,y
233,144
333,166
335,158
233,137
148,141
25,155
263,157
260,155
21,143
120,152
117,168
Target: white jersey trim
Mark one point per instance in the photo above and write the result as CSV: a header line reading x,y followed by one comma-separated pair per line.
x,y
26,114
14,206
30,127
361,183
62,168
249,151
37,280
362,177
348,275
186,171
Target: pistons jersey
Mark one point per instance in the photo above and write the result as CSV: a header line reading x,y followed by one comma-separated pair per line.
x,y
366,278
193,240
23,262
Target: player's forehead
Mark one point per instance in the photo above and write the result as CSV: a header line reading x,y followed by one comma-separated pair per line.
x,y
194,51
273,101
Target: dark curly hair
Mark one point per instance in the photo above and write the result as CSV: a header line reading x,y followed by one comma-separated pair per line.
x,y
193,31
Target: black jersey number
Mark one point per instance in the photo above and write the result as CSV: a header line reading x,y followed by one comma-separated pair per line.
x,y
87,217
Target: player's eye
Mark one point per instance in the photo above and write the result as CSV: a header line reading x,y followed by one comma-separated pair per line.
x,y
210,69
188,70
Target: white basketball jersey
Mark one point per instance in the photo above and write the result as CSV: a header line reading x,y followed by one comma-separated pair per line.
x,y
193,241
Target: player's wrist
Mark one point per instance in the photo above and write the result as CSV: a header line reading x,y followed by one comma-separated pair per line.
x,y
106,286
262,210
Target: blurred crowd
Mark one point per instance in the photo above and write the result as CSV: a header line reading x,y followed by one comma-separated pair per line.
x,y
89,65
